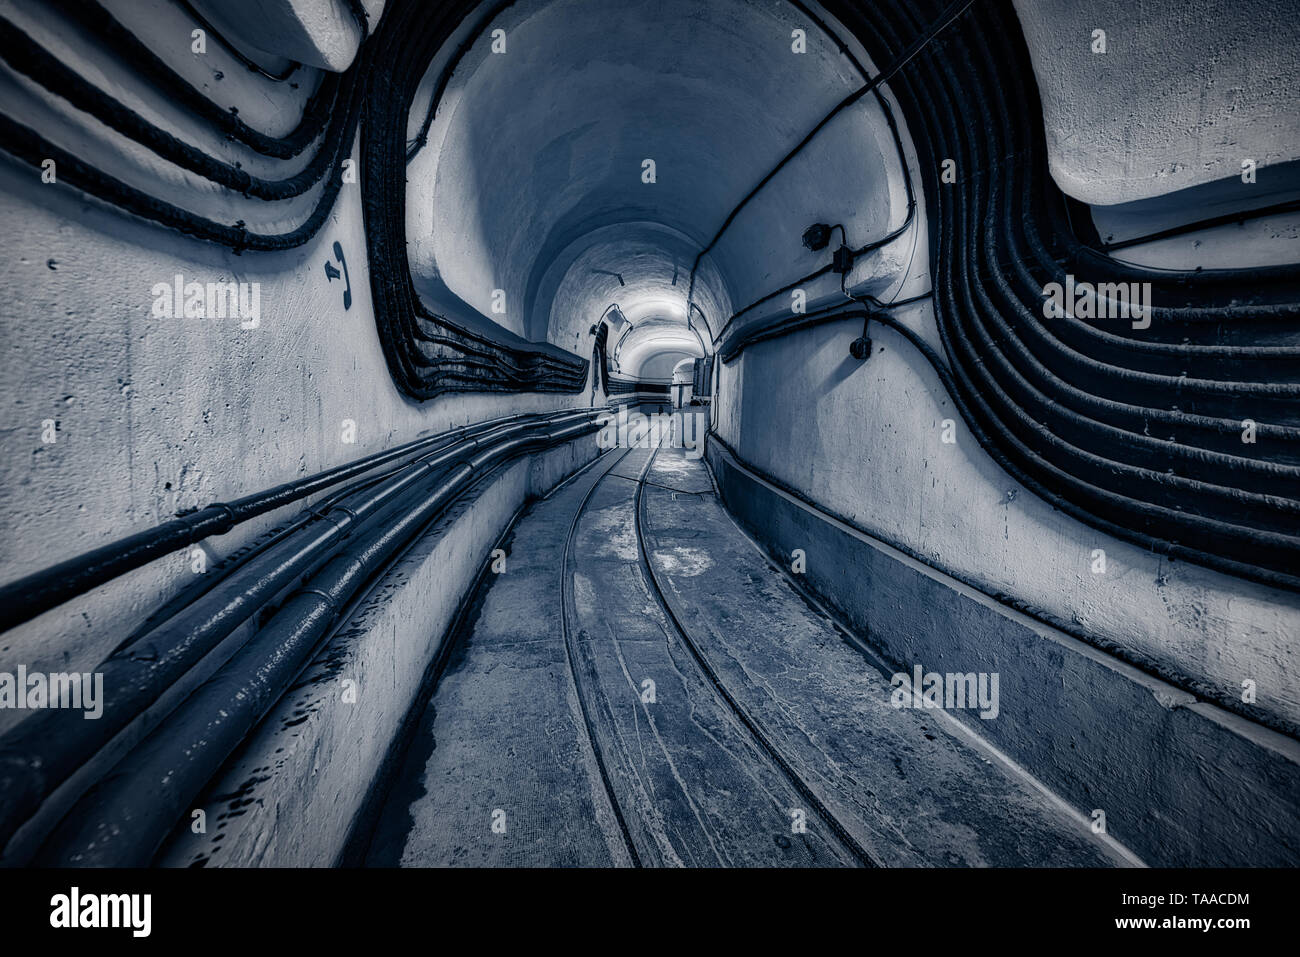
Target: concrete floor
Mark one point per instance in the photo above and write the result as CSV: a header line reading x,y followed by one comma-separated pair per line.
x,y
767,738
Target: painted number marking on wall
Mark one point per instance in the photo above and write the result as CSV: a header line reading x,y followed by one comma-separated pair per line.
x,y
332,273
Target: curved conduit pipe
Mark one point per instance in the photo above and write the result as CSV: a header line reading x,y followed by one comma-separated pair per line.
x,y
24,55
1091,433
427,353
43,750
834,314
333,108
107,827
233,50
110,32
422,137
34,594
1017,395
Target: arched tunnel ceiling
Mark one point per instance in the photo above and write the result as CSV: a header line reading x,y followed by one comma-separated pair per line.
x,y
645,351
643,269
538,185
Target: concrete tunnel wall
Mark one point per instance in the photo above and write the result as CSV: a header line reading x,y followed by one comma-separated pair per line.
x,y
551,128
157,415
865,442
515,191
1161,103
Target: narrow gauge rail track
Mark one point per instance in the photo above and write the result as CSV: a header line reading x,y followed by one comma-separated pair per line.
x,y
575,673
761,736
765,746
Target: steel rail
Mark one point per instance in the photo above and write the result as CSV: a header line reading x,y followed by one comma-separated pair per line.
x,y
750,723
571,657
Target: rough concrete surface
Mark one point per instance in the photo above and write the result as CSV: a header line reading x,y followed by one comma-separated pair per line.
x,y
292,794
1181,782
506,732
1181,95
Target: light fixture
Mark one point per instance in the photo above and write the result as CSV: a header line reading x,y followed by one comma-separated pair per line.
x,y
817,236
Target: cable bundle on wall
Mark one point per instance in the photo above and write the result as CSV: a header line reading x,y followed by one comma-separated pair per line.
x,y
1183,437
427,354
330,116
301,582
620,386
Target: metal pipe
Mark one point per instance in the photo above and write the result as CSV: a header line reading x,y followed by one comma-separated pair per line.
x,y
34,594
110,825
47,747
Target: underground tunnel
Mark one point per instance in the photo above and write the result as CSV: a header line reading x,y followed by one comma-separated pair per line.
x,y
557,433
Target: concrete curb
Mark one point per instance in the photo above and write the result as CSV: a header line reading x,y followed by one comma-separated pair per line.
x,y
1181,781
290,796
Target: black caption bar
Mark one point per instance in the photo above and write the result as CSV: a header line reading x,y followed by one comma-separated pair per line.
x,y
136,907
